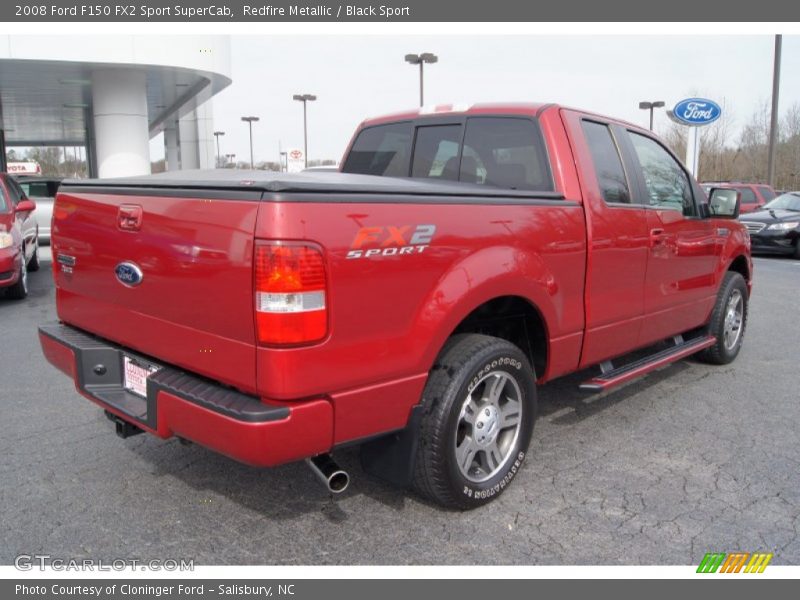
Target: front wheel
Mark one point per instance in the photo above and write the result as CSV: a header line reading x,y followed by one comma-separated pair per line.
x,y
478,411
728,320
19,290
33,263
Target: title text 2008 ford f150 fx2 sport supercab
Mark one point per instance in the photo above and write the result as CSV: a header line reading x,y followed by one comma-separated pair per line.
x,y
411,303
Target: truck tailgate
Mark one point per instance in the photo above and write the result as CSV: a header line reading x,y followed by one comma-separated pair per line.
x,y
193,305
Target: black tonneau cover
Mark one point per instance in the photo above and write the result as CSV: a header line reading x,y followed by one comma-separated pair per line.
x,y
316,182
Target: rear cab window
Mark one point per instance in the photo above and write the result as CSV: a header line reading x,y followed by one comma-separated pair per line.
x,y
748,195
498,151
381,150
436,152
37,189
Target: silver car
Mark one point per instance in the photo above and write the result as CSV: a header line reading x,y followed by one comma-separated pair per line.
x,y
41,190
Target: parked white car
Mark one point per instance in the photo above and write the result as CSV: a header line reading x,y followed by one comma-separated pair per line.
x,y
41,190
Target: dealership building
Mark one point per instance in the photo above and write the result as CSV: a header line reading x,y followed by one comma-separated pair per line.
x,y
112,95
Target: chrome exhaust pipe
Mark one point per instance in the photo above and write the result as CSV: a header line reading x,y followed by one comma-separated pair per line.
x,y
329,473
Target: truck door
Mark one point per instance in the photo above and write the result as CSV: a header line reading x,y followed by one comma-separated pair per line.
x,y
679,285
616,237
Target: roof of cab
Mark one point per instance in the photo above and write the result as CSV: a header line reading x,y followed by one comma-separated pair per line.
x,y
495,108
533,109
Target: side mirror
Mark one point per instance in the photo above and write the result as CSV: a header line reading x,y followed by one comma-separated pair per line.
x,y
26,205
723,203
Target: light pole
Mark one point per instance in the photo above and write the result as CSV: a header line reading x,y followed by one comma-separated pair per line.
x,y
249,121
217,134
305,99
650,106
773,120
421,59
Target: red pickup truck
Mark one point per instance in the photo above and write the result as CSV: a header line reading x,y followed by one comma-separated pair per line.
x,y
410,303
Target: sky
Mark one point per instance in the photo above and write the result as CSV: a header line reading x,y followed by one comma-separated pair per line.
x,y
355,77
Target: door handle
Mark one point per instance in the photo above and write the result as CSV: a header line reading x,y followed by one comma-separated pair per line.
x,y
657,236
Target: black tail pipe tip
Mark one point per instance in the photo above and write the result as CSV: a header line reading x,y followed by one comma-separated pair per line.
x,y
329,473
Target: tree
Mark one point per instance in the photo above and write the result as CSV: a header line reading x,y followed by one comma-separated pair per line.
x,y
753,142
716,156
745,159
48,157
788,151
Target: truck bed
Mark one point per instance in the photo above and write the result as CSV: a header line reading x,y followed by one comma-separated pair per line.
x,y
267,183
194,309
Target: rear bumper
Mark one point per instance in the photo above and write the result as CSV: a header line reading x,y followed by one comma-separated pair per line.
x,y
182,404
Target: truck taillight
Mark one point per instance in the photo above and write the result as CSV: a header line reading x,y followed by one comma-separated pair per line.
x,y
290,294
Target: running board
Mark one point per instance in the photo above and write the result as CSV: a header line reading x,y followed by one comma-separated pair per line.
x,y
614,377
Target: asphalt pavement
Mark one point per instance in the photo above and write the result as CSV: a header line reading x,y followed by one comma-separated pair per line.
x,y
689,460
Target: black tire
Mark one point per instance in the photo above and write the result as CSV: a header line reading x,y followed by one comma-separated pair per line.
x,y
33,263
19,290
721,353
797,248
466,363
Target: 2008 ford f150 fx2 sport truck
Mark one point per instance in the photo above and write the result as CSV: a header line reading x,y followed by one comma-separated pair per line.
x,y
410,303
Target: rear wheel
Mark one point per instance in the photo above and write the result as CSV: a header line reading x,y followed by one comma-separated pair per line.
x,y
19,290
478,411
728,320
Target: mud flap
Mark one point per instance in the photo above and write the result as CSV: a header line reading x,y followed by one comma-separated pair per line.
x,y
391,458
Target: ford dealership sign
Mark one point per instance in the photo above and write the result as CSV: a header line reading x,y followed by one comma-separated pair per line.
x,y
697,111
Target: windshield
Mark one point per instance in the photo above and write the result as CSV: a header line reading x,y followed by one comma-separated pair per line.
x,y
3,202
790,201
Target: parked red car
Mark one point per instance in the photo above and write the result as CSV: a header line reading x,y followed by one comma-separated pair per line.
x,y
411,303
754,195
19,238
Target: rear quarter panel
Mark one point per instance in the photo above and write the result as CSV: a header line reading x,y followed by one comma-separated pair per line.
x,y
390,315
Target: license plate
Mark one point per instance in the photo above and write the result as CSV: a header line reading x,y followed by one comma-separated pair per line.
x,y
135,375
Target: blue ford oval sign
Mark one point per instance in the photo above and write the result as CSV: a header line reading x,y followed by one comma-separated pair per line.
x,y
697,111
128,274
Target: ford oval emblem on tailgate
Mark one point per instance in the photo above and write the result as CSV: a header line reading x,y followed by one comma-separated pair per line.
x,y
128,274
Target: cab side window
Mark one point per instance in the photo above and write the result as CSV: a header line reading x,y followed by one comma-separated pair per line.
x,y
666,183
766,192
607,163
14,191
4,205
505,152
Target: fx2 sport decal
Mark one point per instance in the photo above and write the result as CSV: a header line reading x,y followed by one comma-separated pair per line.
x,y
390,240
